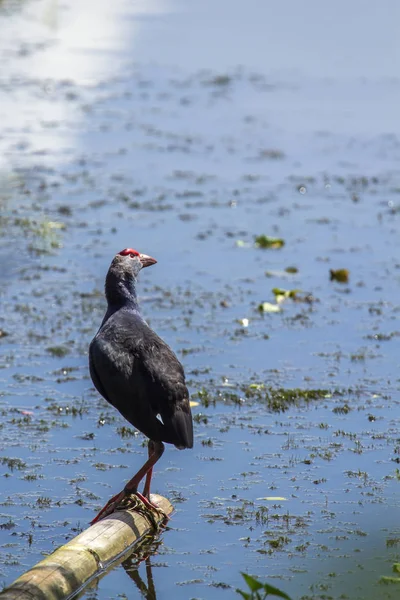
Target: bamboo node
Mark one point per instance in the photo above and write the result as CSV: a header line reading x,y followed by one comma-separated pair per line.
x,y
96,557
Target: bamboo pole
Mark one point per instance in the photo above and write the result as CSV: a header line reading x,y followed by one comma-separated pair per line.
x,y
70,568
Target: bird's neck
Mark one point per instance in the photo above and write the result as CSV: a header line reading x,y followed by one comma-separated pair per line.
x,y
121,293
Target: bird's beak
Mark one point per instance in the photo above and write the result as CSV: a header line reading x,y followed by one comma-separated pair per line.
x,y
147,261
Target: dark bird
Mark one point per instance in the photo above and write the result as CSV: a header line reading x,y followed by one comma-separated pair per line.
x,y
138,373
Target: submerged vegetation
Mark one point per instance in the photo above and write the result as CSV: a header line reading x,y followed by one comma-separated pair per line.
x,y
274,399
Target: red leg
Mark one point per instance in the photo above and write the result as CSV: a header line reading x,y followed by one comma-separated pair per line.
x,y
109,507
132,485
146,489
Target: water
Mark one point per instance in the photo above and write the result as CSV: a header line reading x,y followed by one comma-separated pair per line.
x,y
185,130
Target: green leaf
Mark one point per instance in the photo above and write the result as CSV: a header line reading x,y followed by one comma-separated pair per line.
x,y
340,275
285,293
255,585
279,291
281,294
244,595
265,241
389,580
252,582
274,591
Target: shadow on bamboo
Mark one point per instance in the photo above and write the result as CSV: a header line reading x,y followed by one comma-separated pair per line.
x,y
69,569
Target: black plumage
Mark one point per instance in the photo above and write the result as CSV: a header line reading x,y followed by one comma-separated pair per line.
x,y
137,372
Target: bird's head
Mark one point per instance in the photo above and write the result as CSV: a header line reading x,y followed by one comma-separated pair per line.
x,y
129,262
121,277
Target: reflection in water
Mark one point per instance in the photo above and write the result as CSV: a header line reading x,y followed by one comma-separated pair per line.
x,y
147,591
131,566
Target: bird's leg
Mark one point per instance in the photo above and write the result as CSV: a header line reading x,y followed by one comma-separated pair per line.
x,y
109,507
132,485
156,450
146,489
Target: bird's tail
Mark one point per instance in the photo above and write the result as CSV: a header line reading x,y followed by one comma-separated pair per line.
x,y
180,425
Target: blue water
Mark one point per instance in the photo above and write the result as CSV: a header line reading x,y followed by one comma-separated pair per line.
x,y
185,130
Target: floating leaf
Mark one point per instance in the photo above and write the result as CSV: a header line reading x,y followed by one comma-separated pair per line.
x,y
340,275
281,294
256,386
273,498
243,322
54,225
291,270
268,307
389,580
281,274
241,244
265,241
286,293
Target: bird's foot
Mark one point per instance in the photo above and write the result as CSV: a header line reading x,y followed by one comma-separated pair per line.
x,y
130,499
147,502
140,503
110,507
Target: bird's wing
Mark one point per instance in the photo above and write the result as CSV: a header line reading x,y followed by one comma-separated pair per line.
x,y
137,372
94,358
114,372
170,396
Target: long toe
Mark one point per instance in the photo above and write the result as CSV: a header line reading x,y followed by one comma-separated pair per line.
x,y
109,507
151,505
146,501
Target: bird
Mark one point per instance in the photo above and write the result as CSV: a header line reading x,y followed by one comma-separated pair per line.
x,y
137,372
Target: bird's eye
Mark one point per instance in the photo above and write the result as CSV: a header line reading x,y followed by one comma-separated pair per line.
x,y
132,255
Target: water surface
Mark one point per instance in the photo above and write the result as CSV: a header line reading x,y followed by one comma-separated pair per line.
x,y
185,131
